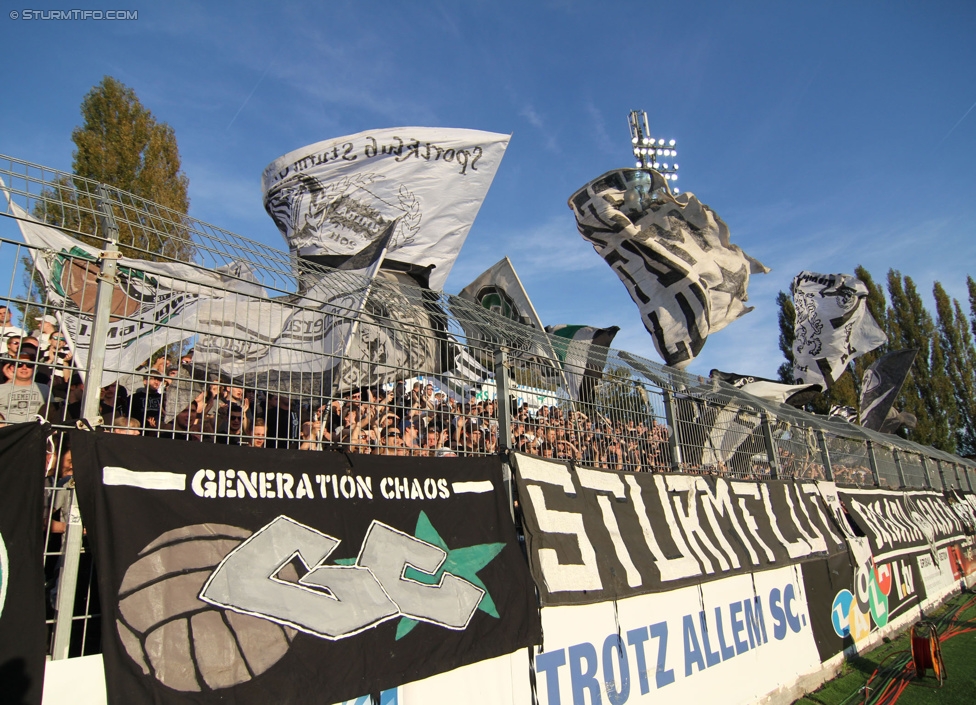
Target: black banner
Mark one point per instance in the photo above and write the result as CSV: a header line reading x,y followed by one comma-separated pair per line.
x,y
823,579
899,523
23,636
597,535
848,598
293,577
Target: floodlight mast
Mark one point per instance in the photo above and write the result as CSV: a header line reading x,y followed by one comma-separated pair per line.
x,y
650,152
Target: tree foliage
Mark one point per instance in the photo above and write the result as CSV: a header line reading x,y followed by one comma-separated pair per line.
x,y
927,392
960,353
121,144
787,325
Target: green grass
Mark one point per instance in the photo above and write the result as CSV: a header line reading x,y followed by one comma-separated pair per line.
x,y
958,652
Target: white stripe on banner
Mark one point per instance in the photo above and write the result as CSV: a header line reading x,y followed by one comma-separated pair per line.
x,y
472,487
143,480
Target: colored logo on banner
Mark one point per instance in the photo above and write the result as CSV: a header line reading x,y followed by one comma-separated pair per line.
x,y
852,613
4,573
218,604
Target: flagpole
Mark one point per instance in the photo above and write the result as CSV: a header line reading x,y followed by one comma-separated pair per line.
x,y
371,274
542,329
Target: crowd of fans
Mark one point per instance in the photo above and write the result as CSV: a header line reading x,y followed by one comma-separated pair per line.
x,y
169,398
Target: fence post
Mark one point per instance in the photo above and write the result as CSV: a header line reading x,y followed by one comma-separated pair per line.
x,y
108,266
504,406
767,432
671,415
828,468
504,399
874,464
68,578
925,469
898,466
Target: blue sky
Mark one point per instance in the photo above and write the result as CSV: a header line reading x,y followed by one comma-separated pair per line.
x,y
825,134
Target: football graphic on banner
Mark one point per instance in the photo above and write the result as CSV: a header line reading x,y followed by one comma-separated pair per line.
x,y
184,642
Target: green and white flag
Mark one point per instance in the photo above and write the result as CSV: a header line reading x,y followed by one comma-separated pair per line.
x,y
499,290
582,350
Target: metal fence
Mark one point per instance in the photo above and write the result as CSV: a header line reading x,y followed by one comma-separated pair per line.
x,y
287,354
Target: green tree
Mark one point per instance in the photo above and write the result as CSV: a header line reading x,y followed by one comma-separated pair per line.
x,y
957,342
787,335
928,392
121,144
971,285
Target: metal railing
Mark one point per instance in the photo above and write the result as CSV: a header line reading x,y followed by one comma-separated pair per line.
x,y
407,371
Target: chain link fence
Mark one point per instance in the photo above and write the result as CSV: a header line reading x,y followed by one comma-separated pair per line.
x,y
153,323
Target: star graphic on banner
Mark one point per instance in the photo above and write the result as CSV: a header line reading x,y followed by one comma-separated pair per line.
x,y
733,283
463,562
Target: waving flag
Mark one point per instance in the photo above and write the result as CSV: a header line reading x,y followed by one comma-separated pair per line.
x,y
881,384
154,304
797,395
833,326
499,290
672,253
583,352
333,198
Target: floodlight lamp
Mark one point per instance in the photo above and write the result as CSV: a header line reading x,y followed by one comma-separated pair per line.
x,y
675,167
674,177
671,143
638,164
665,165
661,141
634,140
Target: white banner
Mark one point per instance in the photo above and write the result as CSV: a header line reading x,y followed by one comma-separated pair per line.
x,y
334,197
712,643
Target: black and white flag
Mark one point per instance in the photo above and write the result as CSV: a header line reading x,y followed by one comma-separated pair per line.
x,y
881,384
672,253
582,350
333,198
797,395
251,576
348,327
833,326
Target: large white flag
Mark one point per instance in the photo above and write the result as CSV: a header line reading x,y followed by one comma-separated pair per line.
x,y
672,253
332,198
348,328
153,304
833,326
